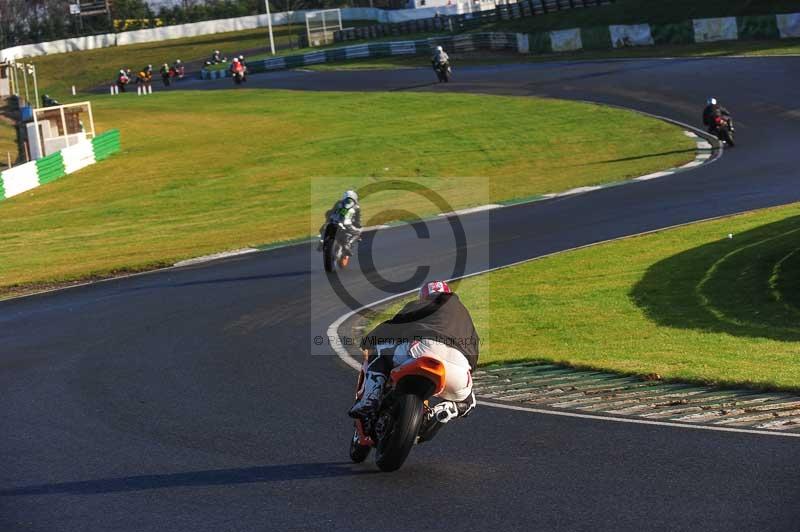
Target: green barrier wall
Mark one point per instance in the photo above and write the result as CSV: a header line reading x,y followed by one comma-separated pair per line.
x,y
758,27
678,33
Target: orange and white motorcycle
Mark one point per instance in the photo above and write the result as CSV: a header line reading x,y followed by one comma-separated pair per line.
x,y
404,416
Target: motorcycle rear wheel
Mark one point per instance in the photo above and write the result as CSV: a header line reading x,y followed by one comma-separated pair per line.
x,y
392,451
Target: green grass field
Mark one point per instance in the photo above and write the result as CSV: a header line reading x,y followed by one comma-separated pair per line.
x,y
689,304
202,172
92,68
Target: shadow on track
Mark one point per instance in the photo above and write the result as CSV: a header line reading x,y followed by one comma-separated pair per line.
x,y
214,477
744,286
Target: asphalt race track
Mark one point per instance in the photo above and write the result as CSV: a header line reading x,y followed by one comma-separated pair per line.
x,y
189,399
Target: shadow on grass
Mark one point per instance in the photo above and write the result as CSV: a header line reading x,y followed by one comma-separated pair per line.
x,y
647,156
214,477
744,286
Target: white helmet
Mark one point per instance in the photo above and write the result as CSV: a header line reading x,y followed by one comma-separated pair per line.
x,y
350,194
711,101
439,49
178,61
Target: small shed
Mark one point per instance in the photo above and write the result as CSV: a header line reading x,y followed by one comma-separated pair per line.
x,y
5,80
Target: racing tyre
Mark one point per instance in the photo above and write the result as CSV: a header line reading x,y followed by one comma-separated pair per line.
x,y
327,254
393,449
728,137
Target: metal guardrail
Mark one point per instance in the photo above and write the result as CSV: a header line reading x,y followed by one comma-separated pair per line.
x,y
466,21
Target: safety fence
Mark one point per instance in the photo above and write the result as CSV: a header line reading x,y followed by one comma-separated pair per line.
x,y
54,166
194,29
464,21
466,42
783,26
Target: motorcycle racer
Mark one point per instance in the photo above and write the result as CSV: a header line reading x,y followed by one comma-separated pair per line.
x,y
436,325
712,110
440,56
348,211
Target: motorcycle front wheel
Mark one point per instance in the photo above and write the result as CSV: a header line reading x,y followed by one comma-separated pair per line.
x,y
392,450
328,255
728,137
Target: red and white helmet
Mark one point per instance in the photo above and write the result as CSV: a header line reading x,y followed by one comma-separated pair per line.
x,y
434,287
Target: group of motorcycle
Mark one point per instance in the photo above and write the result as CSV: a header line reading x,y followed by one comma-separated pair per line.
x,y
175,72
407,412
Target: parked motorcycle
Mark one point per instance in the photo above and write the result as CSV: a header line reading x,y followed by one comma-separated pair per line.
x,y
443,71
404,416
334,240
723,129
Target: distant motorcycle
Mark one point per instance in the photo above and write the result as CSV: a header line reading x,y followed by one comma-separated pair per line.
x,y
443,71
239,77
404,417
723,129
334,240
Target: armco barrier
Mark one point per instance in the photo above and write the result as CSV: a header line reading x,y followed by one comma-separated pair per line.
x,y
466,42
47,169
568,40
208,27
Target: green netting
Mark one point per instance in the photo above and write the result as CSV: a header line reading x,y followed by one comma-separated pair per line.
x,y
540,42
678,33
596,38
758,27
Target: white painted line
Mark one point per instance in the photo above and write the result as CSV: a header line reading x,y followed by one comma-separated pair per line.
x,y
638,421
471,210
702,156
344,356
692,164
655,175
579,190
704,145
215,256
690,134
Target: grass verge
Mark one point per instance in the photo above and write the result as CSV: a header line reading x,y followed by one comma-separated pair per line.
x,y
91,68
229,169
689,304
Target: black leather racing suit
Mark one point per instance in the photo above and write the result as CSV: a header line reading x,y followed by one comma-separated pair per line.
x,y
338,213
443,318
712,111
